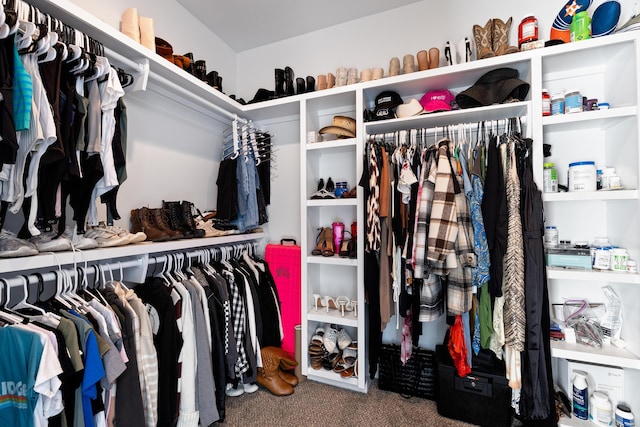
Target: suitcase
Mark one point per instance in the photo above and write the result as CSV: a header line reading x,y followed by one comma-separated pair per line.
x,y
285,264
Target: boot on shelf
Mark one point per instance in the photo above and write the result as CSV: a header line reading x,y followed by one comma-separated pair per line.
x,y
311,84
187,216
301,85
141,220
279,78
500,37
160,218
289,77
176,222
483,37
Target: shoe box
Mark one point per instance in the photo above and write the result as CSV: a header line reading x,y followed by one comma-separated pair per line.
x,y
483,397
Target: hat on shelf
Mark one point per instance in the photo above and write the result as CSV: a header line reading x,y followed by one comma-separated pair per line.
x,y
495,87
385,106
437,100
410,108
341,126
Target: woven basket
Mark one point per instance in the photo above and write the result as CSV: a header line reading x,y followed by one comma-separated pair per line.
x,y
415,378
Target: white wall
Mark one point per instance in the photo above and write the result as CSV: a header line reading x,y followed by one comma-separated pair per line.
x,y
372,41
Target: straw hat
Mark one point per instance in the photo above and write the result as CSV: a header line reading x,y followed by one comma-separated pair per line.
x,y
342,127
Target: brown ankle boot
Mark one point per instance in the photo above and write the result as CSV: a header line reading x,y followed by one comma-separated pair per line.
x,y
483,37
268,375
288,377
142,221
160,219
500,37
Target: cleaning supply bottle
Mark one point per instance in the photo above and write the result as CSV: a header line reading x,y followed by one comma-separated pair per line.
x,y
580,395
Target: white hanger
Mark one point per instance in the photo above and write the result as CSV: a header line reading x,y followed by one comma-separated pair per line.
x,y
4,315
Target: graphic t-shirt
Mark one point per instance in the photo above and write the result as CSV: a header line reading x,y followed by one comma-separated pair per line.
x,y
19,364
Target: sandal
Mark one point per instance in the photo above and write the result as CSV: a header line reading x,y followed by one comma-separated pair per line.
x,y
328,250
343,302
347,361
319,243
344,250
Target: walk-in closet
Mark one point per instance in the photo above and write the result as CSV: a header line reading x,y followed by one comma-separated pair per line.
x,y
359,213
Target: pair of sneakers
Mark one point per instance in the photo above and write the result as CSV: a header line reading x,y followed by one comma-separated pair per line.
x,y
107,236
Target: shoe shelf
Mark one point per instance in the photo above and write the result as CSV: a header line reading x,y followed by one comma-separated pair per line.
x,y
332,378
332,317
332,260
144,249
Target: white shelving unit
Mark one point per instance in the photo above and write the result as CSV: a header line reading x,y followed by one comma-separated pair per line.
x,y
606,69
331,276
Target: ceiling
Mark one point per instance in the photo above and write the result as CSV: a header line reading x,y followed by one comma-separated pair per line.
x,y
246,24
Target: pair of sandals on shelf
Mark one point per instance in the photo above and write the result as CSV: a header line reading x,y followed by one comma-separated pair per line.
x,y
328,191
333,349
342,303
326,248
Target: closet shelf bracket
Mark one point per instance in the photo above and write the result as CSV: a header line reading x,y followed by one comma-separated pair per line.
x,y
138,69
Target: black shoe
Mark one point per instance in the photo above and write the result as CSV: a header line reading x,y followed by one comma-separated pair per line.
x,y
190,223
191,68
200,69
289,75
212,79
279,77
311,84
263,95
300,85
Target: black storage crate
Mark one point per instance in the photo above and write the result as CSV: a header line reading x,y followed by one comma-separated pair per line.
x,y
481,398
414,378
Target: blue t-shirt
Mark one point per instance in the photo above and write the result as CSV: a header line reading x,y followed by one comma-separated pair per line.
x,y
19,364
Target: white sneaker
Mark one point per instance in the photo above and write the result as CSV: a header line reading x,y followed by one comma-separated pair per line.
x,y
47,241
132,237
207,226
79,241
11,246
234,392
106,238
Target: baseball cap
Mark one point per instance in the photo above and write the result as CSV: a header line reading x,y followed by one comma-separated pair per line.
x,y
385,105
437,100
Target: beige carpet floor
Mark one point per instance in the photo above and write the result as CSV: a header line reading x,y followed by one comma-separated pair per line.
x,y
316,404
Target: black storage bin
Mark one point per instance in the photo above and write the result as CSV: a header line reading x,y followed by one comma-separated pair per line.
x,y
481,398
414,378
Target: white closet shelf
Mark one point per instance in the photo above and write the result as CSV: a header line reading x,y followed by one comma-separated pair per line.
x,y
338,143
332,202
574,422
601,119
587,196
332,260
445,118
329,377
592,275
160,70
333,316
607,355
47,260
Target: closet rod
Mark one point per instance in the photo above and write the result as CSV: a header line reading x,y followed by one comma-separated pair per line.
x,y
118,58
473,126
52,275
174,87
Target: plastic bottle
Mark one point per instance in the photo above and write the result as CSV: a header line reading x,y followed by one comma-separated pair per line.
x,y
580,395
600,409
624,417
600,253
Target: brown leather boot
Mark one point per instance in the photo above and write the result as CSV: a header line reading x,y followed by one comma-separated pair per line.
x,y
141,221
288,377
268,375
160,220
500,38
483,37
